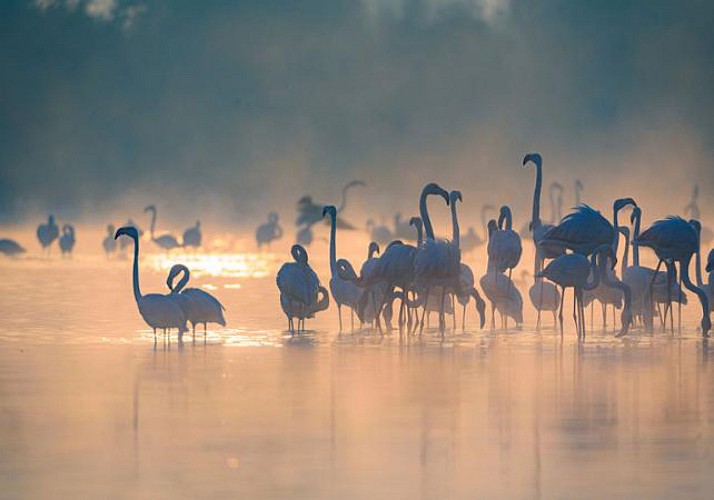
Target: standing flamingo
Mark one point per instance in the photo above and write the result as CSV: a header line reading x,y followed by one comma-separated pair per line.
x,y
300,289
47,233
109,243
192,236
157,310
269,231
165,241
67,240
197,305
344,292
675,240
504,244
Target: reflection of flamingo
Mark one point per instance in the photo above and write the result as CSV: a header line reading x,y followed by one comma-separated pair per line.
x,y
165,241
47,233
675,240
67,240
269,231
10,247
158,311
300,289
109,243
192,236
198,306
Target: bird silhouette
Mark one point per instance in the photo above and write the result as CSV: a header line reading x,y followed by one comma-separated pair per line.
x,y
165,241
197,305
47,233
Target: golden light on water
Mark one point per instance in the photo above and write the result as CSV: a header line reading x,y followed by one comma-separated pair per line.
x,y
224,265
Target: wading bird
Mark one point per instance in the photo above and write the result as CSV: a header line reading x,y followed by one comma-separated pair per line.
x,y
165,241
197,305
192,236
109,243
67,240
301,295
10,247
47,233
269,231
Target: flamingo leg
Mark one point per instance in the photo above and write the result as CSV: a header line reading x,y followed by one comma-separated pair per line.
x,y
339,315
442,317
679,304
426,301
575,315
540,305
560,315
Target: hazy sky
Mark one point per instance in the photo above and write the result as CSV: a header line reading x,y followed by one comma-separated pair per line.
x,y
222,104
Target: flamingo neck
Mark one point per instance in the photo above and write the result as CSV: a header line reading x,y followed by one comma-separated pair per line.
x,y
183,281
551,196
684,273
420,234
535,219
625,255
424,213
595,274
135,271
456,236
616,237
636,243
153,222
333,244
577,196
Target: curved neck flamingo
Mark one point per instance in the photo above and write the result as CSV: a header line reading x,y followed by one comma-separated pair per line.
x,y
332,211
424,212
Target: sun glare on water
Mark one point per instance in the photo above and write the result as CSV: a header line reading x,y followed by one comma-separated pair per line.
x,y
225,265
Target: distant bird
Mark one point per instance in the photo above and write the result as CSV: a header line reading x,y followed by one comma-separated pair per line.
x,y
269,231
299,289
504,244
675,240
157,310
344,292
109,243
67,240
503,296
192,236
197,305
544,250
310,212
578,190
165,241
47,233
10,247
380,234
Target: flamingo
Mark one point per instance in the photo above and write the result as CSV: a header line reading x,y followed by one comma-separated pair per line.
x,y
504,244
376,292
555,193
192,236
437,263
380,234
544,296
466,291
157,310
310,212
67,240
675,240
710,278
197,305
578,190
10,247
503,296
300,289
47,233
109,243
544,250
573,271
165,241
344,292
607,295
269,231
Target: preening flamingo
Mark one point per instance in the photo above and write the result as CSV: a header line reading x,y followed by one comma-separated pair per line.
x,y
675,240
67,240
47,233
157,310
504,244
109,243
344,292
192,236
300,289
269,231
165,241
10,247
197,305
504,297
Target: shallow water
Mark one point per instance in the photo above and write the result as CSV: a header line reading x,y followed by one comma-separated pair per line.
x,y
91,407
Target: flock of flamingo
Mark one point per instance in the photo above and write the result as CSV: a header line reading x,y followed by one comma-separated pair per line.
x,y
579,252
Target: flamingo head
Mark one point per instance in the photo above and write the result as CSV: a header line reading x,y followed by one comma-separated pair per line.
x,y
696,225
272,217
129,231
504,214
67,229
623,202
299,254
51,220
110,228
624,230
608,253
373,249
198,224
415,221
579,185
175,269
455,196
636,214
329,209
345,270
710,261
150,208
434,188
533,157
305,200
